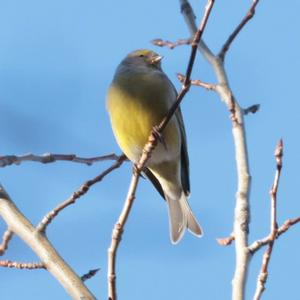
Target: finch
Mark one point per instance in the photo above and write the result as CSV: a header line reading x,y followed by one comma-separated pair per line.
x,y
138,98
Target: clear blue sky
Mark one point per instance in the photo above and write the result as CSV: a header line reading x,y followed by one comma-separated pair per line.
x,y
57,59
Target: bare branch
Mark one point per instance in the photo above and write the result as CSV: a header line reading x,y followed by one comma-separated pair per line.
x,y
242,213
256,245
263,275
48,218
5,240
21,265
171,45
38,242
226,241
149,147
231,38
50,158
89,275
287,225
208,86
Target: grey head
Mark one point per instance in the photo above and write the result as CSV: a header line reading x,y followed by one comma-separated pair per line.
x,y
143,58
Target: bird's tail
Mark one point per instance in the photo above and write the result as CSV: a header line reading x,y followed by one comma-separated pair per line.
x,y
180,218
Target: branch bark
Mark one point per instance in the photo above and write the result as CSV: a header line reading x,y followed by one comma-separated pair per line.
x,y
39,243
21,265
50,158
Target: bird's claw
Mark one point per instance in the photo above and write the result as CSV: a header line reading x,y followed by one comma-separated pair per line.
x,y
158,135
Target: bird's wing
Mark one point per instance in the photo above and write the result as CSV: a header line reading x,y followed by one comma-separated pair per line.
x,y
154,181
185,165
185,178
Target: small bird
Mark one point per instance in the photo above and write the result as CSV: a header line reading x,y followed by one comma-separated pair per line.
x,y
138,98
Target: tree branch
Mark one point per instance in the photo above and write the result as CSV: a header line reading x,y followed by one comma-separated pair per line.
x,y
171,45
49,158
149,147
231,38
287,225
38,242
242,213
21,265
255,246
8,234
263,275
48,218
207,86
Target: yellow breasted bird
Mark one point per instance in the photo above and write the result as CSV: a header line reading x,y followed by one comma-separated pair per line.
x,y
139,96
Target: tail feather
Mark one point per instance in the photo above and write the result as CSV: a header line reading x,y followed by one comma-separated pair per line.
x,y
180,218
177,220
192,223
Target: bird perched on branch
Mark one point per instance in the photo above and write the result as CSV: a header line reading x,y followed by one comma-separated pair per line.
x,y
139,97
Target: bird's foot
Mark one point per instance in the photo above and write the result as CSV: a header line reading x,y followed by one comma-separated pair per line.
x,y
158,135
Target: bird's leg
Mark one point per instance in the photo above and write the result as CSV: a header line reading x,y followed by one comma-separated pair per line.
x,y
159,136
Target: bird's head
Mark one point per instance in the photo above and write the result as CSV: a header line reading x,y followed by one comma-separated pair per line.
x,y
145,57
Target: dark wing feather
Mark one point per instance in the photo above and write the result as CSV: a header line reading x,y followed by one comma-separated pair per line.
x,y
185,165
154,181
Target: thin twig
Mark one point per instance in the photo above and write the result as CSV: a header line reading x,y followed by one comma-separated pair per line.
x,y
21,265
287,225
256,245
5,240
89,275
39,243
169,44
208,86
245,20
50,158
48,218
149,147
263,275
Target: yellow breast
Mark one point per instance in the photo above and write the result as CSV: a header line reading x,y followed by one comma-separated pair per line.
x,y
133,117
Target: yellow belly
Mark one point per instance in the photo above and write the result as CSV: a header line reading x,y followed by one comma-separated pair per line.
x,y
132,120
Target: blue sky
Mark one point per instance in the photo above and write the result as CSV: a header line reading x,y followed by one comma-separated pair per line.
x,y
57,59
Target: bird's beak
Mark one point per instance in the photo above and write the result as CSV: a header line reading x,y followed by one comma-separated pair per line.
x,y
156,59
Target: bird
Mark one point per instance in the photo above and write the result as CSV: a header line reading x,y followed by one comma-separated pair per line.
x,y
138,98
